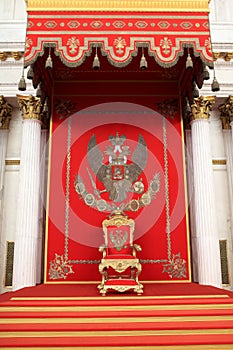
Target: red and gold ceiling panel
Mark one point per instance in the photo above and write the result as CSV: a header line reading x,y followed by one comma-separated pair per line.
x,y
75,34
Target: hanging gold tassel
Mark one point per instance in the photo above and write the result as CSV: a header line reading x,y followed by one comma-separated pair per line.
x,y
49,62
195,91
143,61
30,73
38,91
45,107
206,74
22,84
215,85
96,62
189,62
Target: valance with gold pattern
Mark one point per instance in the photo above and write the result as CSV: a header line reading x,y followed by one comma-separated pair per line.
x,y
75,28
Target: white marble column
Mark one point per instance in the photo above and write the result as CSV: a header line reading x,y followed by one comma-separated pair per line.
x,y
27,223
207,242
189,166
42,201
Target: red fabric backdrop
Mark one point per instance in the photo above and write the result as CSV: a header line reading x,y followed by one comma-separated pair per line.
x,y
74,230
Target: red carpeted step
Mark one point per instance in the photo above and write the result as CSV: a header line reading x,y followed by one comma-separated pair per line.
x,y
120,302
98,321
178,325
113,340
84,290
120,313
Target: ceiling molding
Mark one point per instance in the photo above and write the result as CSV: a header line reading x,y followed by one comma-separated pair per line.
x,y
118,5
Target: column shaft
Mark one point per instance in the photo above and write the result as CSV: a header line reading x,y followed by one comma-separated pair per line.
x,y
209,268
42,201
189,157
25,258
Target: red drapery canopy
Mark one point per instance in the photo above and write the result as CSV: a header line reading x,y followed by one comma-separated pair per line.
x,y
74,35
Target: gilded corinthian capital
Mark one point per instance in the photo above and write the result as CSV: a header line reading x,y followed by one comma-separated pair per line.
x,y
226,110
5,113
201,107
30,107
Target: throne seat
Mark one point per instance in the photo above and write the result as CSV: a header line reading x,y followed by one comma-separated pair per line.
x,y
119,265
123,285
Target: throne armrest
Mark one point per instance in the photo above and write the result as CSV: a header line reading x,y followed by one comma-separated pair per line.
x,y
137,247
103,249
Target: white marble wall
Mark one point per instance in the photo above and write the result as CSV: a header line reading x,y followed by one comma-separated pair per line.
x,y
10,186
222,185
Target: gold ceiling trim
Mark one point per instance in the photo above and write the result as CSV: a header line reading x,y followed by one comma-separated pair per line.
x,y
119,5
4,55
226,56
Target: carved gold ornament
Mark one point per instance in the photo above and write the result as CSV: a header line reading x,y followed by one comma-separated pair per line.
x,y
121,288
30,107
201,107
119,265
5,113
4,55
226,56
226,110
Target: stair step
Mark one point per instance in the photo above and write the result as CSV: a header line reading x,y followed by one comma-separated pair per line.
x,y
107,325
113,339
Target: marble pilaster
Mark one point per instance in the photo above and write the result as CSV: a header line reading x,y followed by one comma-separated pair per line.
x,y
27,223
207,242
5,115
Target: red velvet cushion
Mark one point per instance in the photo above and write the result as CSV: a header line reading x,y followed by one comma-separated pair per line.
x,y
125,250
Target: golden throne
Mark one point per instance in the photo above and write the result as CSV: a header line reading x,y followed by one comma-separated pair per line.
x,y
119,265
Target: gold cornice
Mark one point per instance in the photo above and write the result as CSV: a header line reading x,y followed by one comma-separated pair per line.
x,y
226,56
4,55
119,5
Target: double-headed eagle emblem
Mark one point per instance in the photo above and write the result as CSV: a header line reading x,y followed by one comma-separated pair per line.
x,y
119,176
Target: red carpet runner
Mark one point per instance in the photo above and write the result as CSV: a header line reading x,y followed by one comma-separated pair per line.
x,y
178,316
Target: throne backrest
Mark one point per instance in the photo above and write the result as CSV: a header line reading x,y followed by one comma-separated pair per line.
x,y
118,234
